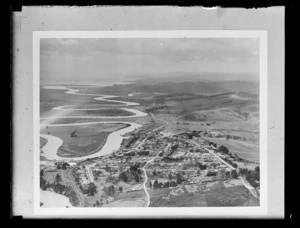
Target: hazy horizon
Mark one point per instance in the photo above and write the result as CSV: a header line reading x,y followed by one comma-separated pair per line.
x,y
119,60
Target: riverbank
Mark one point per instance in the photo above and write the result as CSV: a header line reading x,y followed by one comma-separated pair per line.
x,y
113,142
65,152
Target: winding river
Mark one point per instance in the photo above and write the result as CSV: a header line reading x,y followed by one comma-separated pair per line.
x,y
114,139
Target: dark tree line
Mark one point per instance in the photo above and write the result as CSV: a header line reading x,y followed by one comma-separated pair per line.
x,y
56,185
91,190
170,159
223,149
134,170
252,176
166,184
62,165
156,108
230,162
201,166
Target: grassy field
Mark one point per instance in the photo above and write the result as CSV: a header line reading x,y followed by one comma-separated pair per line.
x,y
231,196
221,114
212,103
226,117
242,128
214,194
126,203
129,199
244,149
219,111
83,147
185,199
90,138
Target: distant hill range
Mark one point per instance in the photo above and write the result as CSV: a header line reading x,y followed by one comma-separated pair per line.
x,y
193,77
200,87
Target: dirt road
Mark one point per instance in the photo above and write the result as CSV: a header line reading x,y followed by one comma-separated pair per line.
x,y
146,179
71,181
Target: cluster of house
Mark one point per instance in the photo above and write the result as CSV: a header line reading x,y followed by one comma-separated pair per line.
x,y
211,134
151,144
218,134
191,177
224,156
191,154
82,176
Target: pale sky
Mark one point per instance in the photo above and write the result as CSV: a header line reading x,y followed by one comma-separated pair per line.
x,y
112,59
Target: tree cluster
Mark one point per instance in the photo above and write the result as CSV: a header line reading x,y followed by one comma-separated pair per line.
x,y
166,184
231,162
131,141
193,134
211,173
62,165
96,173
123,177
234,174
179,179
252,176
201,166
134,170
91,190
107,168
223,149
98,203
56,185
111,190
156,108
235,137
170,159
212,144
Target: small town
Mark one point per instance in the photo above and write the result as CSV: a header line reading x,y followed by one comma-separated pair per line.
x,y
147,163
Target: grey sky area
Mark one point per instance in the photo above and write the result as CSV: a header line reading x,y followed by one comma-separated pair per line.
x,y
88,60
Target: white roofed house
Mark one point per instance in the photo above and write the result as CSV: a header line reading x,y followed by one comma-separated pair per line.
x,y
80,171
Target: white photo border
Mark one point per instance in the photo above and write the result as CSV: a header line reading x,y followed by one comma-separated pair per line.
x,y
166,212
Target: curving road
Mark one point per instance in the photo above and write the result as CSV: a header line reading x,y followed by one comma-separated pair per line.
x,y
146,179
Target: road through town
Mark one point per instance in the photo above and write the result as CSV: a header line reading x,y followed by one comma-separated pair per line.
x,y
146,179
70,180
247,185
212,152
